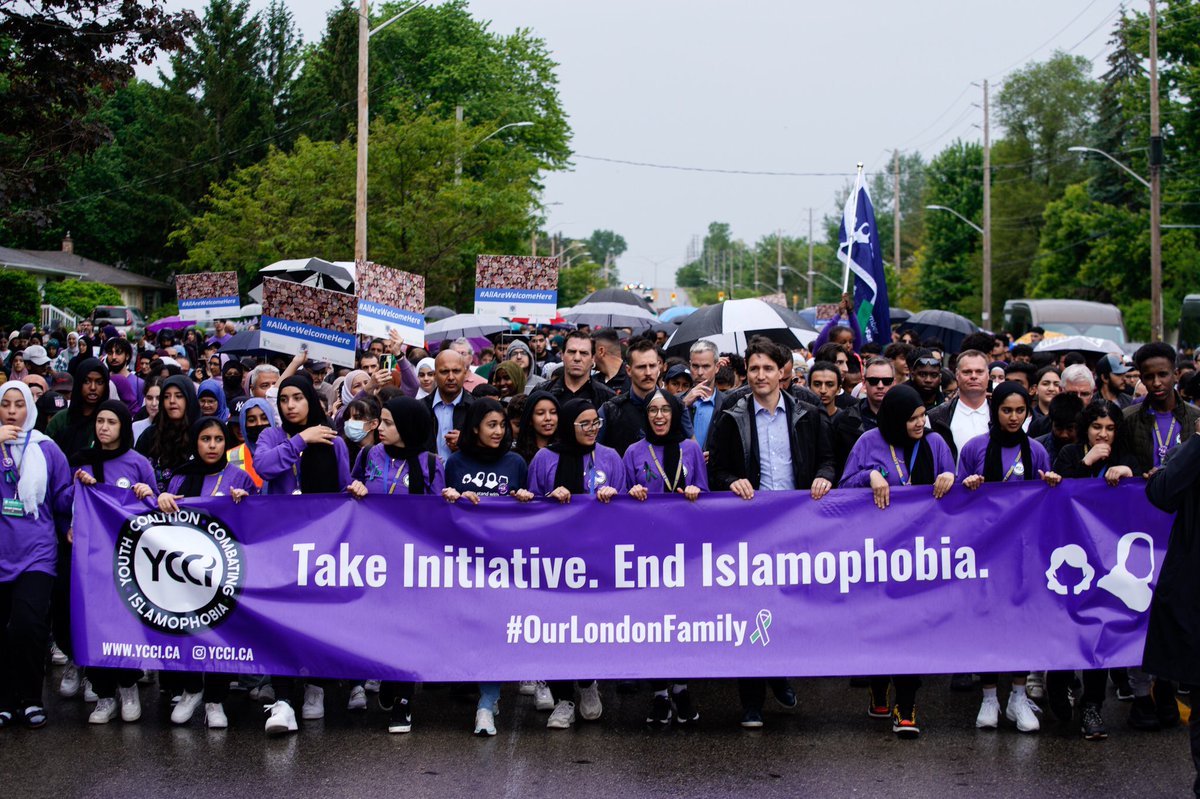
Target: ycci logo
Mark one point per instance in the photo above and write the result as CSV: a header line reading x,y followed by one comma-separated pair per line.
x,y
178,572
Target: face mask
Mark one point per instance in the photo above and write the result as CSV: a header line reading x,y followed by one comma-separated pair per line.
x,y
252,433
355,430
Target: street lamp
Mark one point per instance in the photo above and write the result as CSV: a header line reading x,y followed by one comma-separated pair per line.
x,y
1156,313
826,278
365,32
573,258
973,226
503,127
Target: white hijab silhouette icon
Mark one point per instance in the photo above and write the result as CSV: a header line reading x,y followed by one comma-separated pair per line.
x,y
1132,590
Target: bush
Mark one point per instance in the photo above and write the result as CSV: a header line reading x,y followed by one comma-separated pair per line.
x,y
22,304
163,311
80,297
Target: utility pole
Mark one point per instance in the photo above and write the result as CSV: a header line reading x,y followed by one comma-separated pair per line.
x,y
810,259
896,210
1156,157
360,195
779,261
986,315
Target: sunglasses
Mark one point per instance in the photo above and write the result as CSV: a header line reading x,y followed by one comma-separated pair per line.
x,y
929,362
880,381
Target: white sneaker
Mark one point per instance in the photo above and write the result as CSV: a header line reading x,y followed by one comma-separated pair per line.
x,y
131,703
528,687
1035,685
71,680
358,698
485,722
281,719
563,716
989,714
89,695
59,657
589,702
314,703
214,716
183,711
372,686
1020,712
106,711
542,698
264,694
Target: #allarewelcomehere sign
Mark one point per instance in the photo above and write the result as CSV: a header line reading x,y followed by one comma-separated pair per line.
x,y
1012,576
204,296
524,286
390,299
319,320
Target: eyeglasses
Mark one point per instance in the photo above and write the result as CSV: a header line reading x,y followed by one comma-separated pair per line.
x,y
665,411
880,381
592,425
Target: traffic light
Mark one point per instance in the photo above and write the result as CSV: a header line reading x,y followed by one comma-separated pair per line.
x,y
720,296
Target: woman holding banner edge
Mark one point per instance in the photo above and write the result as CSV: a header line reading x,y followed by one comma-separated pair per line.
x,y
1006,454
898,453
302,456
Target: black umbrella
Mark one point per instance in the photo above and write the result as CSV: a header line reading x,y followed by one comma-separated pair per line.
x,y
899,315
616,295
308,272
436,313
948,328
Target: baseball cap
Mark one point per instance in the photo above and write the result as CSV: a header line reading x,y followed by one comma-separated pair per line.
x,y
678,370
316,365
36,354
1111,364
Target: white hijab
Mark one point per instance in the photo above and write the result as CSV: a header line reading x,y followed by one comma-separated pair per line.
x,y
424,363
27,452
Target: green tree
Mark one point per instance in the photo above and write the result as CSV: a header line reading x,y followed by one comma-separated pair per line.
x,y
606,247
578,280
22,300
80,296
326,90
948,260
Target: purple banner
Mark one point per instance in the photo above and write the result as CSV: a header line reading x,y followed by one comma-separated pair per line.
x,y
1010,577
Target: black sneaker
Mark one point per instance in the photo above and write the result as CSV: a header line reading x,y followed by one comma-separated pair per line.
x,y
685,711
905,724
1059,700
1143,716
784,693
401,718
1165,705
877,706
1091,724
962,682
660,711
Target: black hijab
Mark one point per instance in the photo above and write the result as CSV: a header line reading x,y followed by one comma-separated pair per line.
x,y
415,425
998,439
468,439
95,455
195,470
570,452
674,434
77,435
898,406
526,436
318,462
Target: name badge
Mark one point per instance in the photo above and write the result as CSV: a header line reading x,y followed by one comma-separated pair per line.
x,y
13,507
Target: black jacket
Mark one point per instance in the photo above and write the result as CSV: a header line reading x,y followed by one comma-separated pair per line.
x,y
460,416
593,391
720,400
1069,463
1137,434
1173,634
939,421
735,452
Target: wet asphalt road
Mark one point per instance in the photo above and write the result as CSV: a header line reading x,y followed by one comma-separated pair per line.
x,y
826,747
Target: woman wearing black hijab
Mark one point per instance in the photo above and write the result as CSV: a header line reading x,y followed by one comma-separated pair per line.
x,y
166,441
900,452
303,456
72,429
666,461
1006,454
575,463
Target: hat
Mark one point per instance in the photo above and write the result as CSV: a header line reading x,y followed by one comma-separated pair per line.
x,y
62,383
678,370
1111,364
316,365
27,330
14,334
36,354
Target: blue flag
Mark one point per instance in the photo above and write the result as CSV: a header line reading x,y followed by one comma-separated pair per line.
x,y
866,264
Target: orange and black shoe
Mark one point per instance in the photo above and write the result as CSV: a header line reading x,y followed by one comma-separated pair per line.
x,y
877,706
905,725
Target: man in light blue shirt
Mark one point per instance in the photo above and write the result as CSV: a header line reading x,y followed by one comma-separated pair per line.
x,y
774,447
448,403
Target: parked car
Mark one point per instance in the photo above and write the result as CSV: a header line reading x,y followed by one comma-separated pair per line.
x,y
1069,317
125,318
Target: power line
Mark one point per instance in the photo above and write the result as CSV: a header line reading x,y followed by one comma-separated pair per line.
x,y
714,170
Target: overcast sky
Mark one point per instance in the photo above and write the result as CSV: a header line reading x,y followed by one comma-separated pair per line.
x,y
780,86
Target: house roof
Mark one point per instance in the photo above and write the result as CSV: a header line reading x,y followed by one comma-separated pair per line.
x,y
69,265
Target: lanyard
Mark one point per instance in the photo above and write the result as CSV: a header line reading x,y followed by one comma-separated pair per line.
x,y
12,472
589,474
296,477
669,485
1163,446
912,461
217,488
392,483
1013,468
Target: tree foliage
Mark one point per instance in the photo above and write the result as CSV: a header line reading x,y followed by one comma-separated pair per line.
x,y
22,300
80,296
